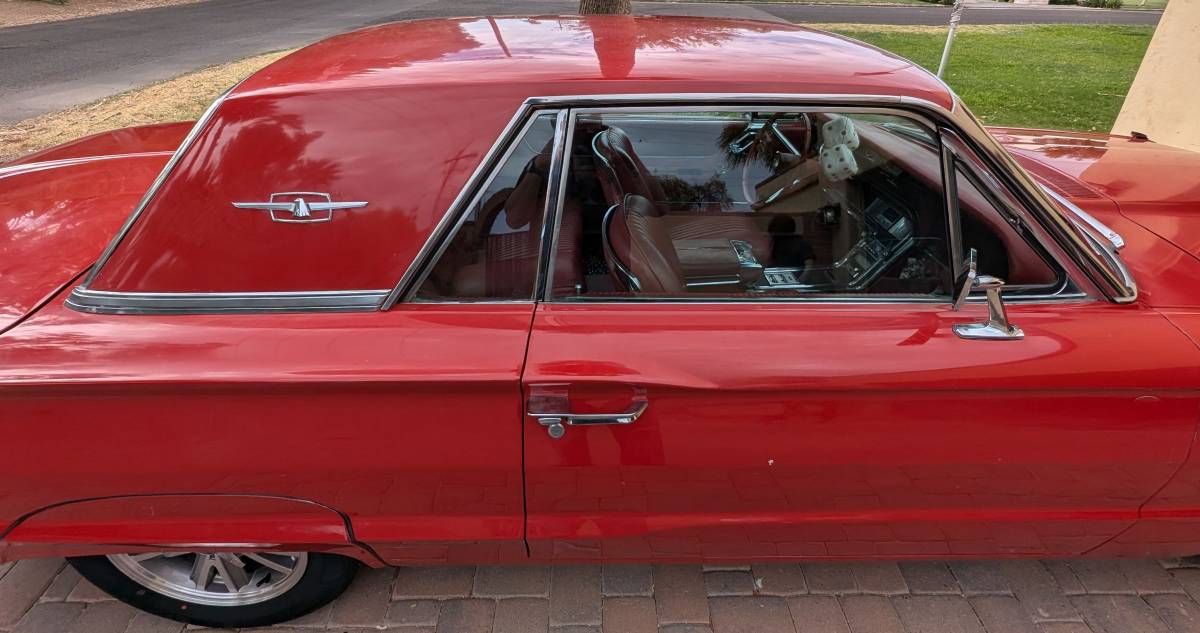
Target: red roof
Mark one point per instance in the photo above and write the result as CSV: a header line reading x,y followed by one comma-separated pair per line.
x,y
545,56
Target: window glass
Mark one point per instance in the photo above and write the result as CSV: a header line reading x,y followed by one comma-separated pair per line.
x,y
1001,251
753,204
494,252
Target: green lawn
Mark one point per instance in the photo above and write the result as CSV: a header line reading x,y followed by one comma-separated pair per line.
x,y
1145,4
1055,76
921,3
1129,4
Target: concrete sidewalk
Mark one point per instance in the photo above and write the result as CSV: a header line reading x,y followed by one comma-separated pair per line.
x,y
1014,596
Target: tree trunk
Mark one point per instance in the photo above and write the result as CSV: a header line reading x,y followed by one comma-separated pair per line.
x,y
605,6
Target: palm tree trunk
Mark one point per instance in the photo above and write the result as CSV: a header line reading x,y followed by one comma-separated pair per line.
x,y
605,6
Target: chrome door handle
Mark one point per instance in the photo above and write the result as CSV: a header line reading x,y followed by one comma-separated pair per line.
x,y
550,406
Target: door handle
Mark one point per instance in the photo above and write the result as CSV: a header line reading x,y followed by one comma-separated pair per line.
x,y
551,407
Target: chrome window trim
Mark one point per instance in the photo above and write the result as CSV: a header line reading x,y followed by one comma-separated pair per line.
x,y
29,168
797,104
710,103
188,140
1107,249
106,302
1102,265
953,214
957,155
420,269
725,99
866,300
556,195
1103,229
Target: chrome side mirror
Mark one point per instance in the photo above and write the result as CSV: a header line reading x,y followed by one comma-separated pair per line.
x,y
997,326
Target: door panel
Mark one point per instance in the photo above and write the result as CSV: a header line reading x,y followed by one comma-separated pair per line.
x,y
404,421
791,430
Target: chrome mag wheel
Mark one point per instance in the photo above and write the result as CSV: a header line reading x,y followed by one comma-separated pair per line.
x,y
226,579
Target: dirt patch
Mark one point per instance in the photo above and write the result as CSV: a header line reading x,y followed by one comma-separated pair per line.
x,y
180,99
18,12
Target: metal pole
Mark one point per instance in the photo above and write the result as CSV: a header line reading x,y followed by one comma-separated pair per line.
x,y
955,16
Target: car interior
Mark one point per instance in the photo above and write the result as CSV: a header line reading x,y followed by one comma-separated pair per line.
x,y
731,204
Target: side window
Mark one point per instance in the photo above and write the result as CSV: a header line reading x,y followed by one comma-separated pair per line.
x,y
752,204
1000,249
494,251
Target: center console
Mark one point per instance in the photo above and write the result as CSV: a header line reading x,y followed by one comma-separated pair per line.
x,y
887,233
718,262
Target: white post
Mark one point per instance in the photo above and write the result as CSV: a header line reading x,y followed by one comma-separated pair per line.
x,y
955,16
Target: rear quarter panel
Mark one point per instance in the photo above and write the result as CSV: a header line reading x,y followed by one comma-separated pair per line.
x,y
405,421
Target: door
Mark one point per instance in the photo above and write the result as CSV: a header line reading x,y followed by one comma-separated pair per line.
x,y
782,431
818,403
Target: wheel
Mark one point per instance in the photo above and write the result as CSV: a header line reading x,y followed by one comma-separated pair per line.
x,y
233,590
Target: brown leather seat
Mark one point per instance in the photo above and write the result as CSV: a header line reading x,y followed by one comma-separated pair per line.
x,y
621,173
638,245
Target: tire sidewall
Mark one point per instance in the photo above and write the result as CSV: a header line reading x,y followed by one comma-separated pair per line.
x,y
325,577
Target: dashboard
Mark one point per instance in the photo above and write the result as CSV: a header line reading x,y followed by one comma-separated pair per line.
x,y
888,233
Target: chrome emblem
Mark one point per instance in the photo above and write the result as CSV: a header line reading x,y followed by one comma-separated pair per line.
x,y
300,207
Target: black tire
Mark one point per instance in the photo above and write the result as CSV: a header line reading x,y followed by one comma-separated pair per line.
x,y
325,578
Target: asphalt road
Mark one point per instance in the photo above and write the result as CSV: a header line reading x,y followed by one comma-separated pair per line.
x,y
46,67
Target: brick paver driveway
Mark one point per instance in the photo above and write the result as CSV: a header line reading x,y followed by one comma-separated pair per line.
x,y
1129,596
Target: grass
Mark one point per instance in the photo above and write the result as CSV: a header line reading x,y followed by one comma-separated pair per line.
x,y
183,98
1055,76
1146,4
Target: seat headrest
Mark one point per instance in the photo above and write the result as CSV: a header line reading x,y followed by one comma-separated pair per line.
x,y
540,164
612,143
639,205
617,137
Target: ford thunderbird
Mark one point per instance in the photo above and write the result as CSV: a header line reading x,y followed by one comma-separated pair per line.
x,y
603,289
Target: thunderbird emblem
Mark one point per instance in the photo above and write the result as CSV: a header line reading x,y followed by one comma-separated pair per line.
x,y
300,207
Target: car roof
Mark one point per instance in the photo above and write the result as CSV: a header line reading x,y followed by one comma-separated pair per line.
x,y
603,54
399,116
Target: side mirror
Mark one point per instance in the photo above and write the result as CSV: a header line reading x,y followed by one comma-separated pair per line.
x,y
997,326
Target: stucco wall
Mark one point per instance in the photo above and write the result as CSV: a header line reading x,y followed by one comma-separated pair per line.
x,y
1164,101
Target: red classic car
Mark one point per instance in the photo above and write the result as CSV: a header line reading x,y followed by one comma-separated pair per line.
x,y
589,289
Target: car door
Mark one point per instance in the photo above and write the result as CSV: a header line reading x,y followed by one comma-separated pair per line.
x,y
674,420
